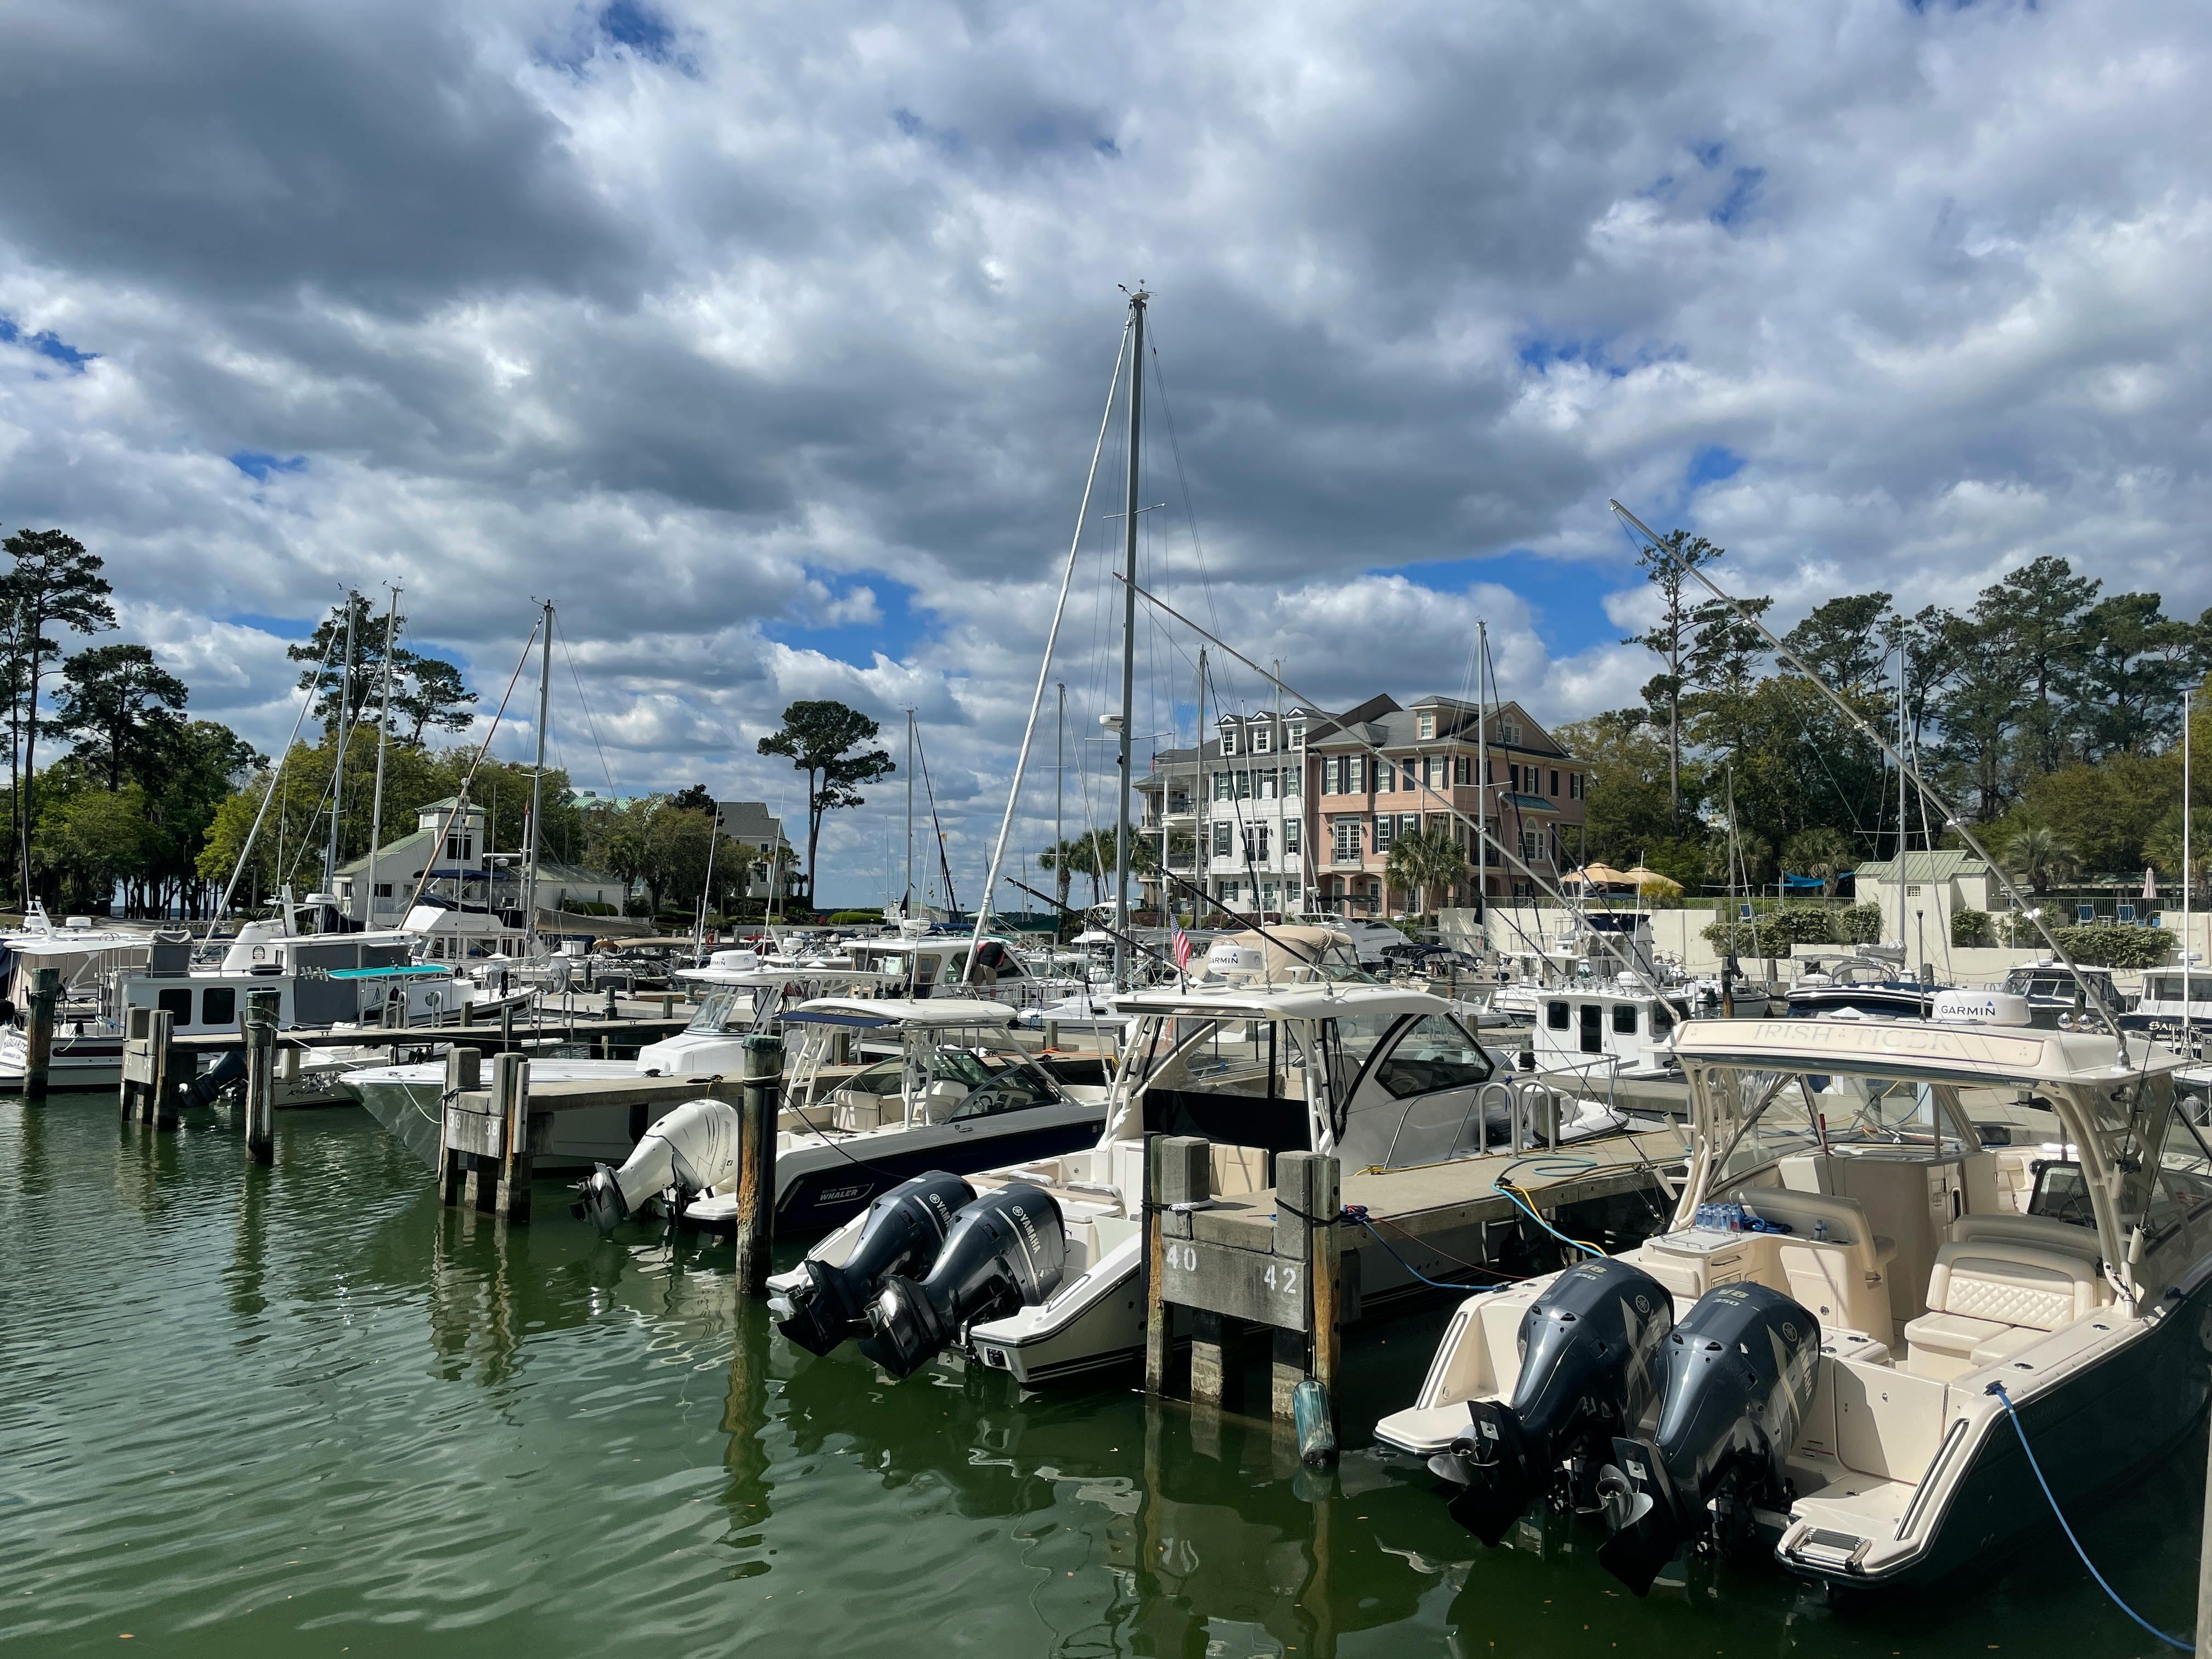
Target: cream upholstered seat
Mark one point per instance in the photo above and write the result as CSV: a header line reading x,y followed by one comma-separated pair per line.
x,y
1990,1298
1832,1262
2040,1231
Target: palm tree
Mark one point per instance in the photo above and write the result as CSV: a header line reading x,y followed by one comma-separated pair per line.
x,y
1425,860
1826,852
2039,858
1092,855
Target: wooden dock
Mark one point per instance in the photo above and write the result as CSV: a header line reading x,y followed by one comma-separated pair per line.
x,y
1292,1259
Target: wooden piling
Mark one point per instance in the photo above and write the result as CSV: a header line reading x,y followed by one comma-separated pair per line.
x,y
667,1006
464,1075
510,1094
507,1029
261,1028
610,1002
39,1044
757,1115
146,1091
1178,1170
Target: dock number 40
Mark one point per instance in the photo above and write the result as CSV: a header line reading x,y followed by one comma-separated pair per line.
x,y
1283,1277
1182,1257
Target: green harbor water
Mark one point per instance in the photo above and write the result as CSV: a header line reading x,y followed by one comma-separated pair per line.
x,y
303,1411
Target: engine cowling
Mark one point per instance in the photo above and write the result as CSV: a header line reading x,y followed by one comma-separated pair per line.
x,y
1589,1348
1737,1379
694,1148
901,1233
1006,1250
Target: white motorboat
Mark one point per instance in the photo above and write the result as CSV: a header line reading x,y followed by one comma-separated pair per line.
x,y
1892,1228
957,1093
1287,1057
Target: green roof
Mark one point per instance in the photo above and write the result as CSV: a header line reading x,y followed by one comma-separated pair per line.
x,y
1945,863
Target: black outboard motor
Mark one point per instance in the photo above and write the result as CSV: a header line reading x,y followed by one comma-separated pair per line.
x,y
1737,1379
901,1234
202,1090
1006,1250
1590,1357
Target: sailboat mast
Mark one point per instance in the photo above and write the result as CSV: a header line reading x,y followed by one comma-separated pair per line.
x,y
906,905
338,777
1481,781
2188,868
1121,964
537,781
1903,945
1201,855
383,731
1060,788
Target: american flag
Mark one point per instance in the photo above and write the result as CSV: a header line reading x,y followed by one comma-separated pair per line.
x,y
1180,947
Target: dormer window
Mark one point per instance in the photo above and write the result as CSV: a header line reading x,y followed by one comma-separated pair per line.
x,y
1426,725
1510,730
1294,734
1262,738
1228,740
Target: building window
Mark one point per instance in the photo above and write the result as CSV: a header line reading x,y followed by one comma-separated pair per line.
x,y
1332,775
1243,786
1221,840
1291,835
1510,730
1532,847
1294,734
1267,785
1293,779
1256,845
1221,784
1574,785
383,890
1555,783
1347,840
1386,777
1385,831
1228,892
1409,823
1463,770
1513,773
1270,895
1228,740
1424,726
457,847
1262,738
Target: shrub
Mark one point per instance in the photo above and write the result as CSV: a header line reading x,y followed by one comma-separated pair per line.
x,y
2105,944
590,908
854,918
1777,928
1859,924
1970,928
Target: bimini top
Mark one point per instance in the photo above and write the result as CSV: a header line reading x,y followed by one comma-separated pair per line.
x,y
1917,1047
1258,1001
905,1010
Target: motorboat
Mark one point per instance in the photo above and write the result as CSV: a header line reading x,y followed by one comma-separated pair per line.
x,y
1599,1029
2056,999
1284,1045
1884,1224
1859,983
957,1093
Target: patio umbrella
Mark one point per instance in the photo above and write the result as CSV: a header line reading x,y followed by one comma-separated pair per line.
x,y
2150,882
1601,875
1643,876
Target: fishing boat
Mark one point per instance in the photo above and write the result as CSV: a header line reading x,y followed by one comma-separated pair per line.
x,y
1901,1234
955,1092
1861,983
2056,998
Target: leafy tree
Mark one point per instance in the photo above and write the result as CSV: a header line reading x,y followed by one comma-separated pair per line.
x,y
1977,708
2132,665
2105,815
1667,568
693,798
93,839
426,692
122,707
1429,863
818,739
1841,642
55,583
1822,851
1720,675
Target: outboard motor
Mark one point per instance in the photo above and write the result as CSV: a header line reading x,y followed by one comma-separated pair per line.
x,y
1737,1379
202,1090
901,1233
1006,1250
1590,1357
694,1148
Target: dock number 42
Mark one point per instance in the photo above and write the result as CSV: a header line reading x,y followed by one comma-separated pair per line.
x,y
1283,1277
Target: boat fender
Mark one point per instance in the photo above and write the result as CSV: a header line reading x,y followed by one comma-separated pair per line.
x,y
693,1148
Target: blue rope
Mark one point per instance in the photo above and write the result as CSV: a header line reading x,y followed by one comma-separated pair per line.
x,y
2021,1429
1359,1213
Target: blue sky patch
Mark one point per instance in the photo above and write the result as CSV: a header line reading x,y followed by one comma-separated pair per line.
x,y
284,628
901,629
46,342
1563,595
1714,464
643,30
1742,195
257,466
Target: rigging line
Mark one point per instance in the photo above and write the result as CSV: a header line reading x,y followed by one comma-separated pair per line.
x,y
329,783
276,776
590,725
461,795
921,758
1182,481
1952,819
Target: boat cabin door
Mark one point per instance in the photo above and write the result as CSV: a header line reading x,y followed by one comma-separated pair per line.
x,y
1591,1017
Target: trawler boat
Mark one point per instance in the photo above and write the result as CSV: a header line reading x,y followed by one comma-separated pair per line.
x,y
2055,999
1593,1030
1285,1052
1892,1229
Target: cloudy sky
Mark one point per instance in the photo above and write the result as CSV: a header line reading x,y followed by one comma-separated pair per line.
x,y
771,343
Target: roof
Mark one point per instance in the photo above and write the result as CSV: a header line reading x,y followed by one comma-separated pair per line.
x,y
1945,863
748,821
908,1011
1305,1001
1914,1048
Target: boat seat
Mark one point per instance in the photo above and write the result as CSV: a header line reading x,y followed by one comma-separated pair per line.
x,y
851,1111
1830,1260
941,1100
2044,1232
1989,1297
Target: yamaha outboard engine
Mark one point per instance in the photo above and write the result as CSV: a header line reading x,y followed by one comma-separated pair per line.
x,y
202,1090
694,1149
1590,1353
901,1234
1006,1250
1737,1379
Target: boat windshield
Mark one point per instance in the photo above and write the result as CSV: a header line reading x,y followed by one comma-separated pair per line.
x,y
1239,1081
1762,1117
723,1012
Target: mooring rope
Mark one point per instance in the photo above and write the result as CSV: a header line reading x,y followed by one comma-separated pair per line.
x,y
2021,1429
